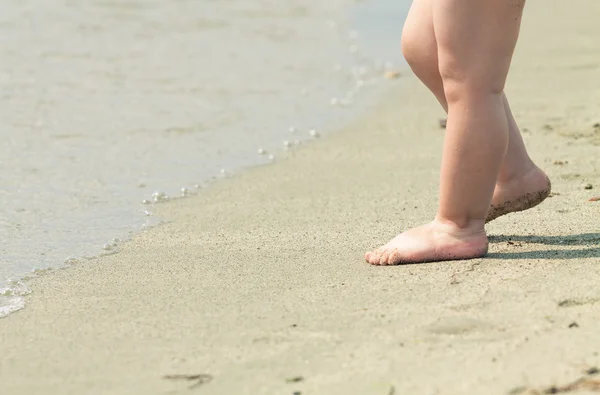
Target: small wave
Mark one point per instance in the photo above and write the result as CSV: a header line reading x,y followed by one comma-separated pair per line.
x,y
12,297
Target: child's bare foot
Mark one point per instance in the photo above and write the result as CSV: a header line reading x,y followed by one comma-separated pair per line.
x,y
520,193
435,241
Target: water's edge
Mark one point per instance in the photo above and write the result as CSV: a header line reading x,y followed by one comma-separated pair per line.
x,y
368,43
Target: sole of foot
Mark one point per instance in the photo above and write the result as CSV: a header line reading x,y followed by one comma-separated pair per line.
x,y
435,241
520,194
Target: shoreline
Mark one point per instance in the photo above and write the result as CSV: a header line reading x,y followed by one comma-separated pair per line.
x,y
259,281
50,225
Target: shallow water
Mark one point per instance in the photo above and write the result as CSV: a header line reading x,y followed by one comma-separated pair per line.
x,y
105,102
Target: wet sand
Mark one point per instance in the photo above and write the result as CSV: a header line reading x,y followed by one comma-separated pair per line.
x,y
259,282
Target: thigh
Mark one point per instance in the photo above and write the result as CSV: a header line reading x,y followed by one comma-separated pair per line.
x,y
476,40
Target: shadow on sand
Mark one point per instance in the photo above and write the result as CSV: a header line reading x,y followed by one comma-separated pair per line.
x,y
590,240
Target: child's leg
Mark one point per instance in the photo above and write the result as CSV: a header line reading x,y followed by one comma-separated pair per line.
x,y
521,184
419,47
475,40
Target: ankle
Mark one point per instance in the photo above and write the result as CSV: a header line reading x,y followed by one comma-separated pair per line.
x,y
507,176
460,225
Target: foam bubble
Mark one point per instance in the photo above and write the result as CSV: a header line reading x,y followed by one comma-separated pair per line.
x,y
12,297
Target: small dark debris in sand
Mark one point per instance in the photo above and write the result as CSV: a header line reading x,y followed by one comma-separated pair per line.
x,y
592,371
392,390
547,127
296,379
577,302
583,383
201,378
597,125
296,393
189,377
594,199
573,325
443,123
560,162
294,325
570,303
588,186
552,194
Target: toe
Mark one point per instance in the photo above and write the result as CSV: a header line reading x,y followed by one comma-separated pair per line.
x,y
394,257
383,258
374,257
370,257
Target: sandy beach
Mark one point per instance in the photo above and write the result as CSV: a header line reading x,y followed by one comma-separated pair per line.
x,y
258,286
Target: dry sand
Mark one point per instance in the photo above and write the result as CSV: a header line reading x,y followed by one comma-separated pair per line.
x,y
259,281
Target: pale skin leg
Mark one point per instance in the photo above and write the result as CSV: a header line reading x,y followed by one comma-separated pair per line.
x,y
475,41
520,184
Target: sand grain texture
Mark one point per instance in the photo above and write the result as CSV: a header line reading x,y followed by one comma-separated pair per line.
x,y
259,281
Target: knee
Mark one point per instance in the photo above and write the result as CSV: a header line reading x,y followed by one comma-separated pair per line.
x,y
419,52
464,80
409,47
